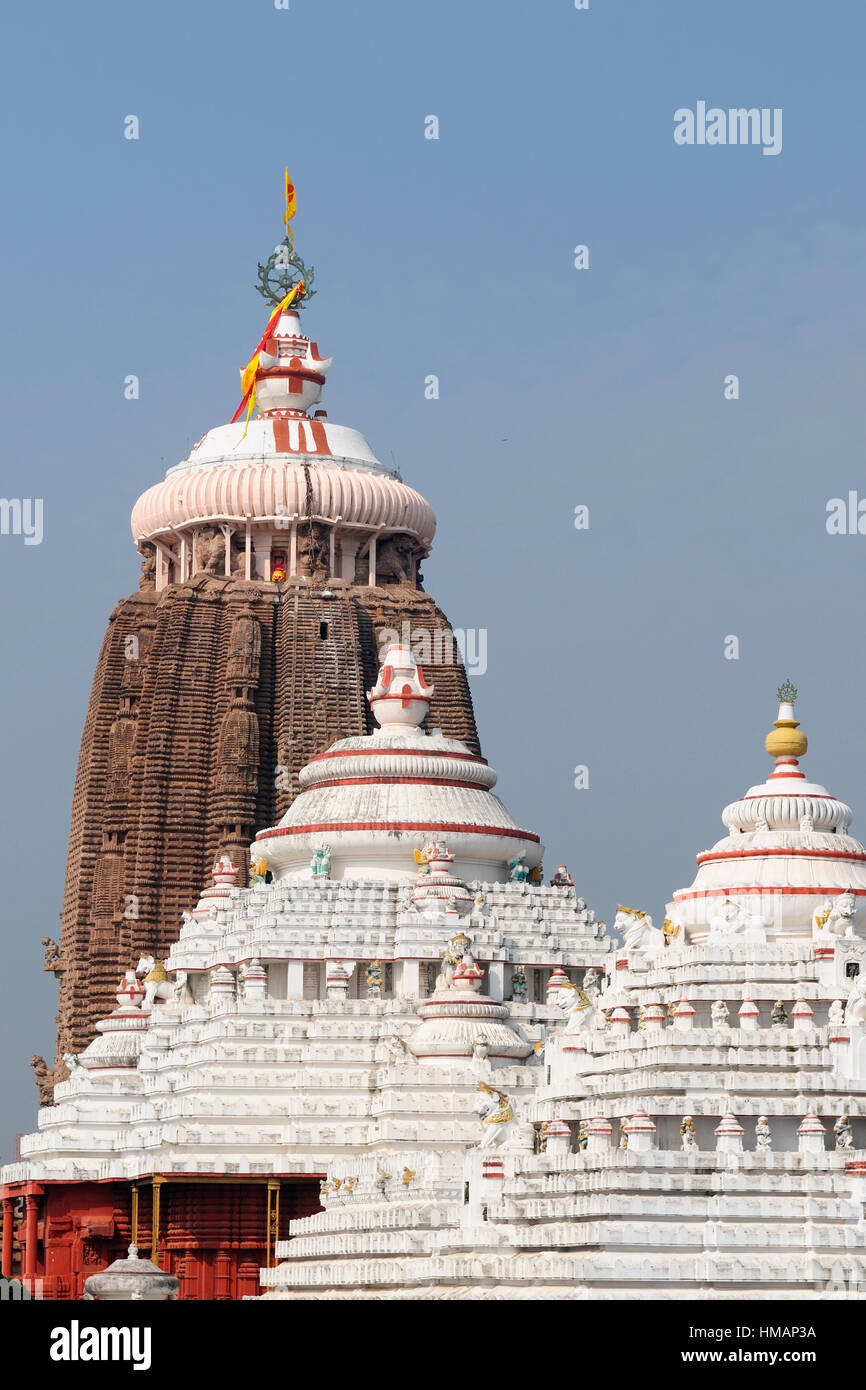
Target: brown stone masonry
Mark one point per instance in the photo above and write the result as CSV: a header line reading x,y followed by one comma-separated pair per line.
x,y
207,701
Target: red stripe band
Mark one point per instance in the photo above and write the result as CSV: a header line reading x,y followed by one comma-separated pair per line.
x,y
434,827
711,855
403,752
410,781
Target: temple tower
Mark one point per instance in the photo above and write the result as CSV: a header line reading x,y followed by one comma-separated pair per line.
x,y
277,559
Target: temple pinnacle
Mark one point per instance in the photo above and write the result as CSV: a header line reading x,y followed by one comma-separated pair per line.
x,y
785,740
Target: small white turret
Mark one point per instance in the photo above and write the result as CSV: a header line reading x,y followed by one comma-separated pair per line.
x,y
401,697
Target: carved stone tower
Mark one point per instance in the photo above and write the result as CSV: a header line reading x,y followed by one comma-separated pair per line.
x,y
275,557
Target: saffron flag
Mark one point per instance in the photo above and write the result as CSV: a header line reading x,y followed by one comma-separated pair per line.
x,y
291,207
248,375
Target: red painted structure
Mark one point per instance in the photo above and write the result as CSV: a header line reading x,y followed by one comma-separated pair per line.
x,y
213,1232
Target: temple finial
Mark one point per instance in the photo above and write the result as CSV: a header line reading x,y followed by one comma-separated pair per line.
x,y
786,741
284,268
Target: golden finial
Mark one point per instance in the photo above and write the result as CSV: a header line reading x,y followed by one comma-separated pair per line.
x,y
785,739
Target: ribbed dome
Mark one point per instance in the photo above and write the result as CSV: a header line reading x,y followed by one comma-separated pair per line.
x,y
276,489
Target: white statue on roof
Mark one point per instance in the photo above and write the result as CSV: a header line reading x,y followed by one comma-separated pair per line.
x,y
638,931
728,922
836,917
496,1114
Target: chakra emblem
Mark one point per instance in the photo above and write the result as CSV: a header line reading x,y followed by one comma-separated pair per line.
x,y
281,272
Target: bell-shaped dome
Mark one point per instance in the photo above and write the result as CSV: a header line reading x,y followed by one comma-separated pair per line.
x,y
372,801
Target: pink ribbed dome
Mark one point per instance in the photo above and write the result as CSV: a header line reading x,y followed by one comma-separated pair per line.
x,y
278,488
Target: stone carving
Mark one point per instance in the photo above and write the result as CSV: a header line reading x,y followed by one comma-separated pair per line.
x,y
639,933
397,1049
836,917
836,1014
779,1015
519,986
719,1013
210,552
44,1077
408,1175
496,1114
395,560
157,985
579,1007
148,566
670,929
855,1009
562,878
452,956
688,1134
52,956
320,864
424,856
467,974
258,871
517,870
592,984
763,1137
182,990
728,922
843,1133
374,979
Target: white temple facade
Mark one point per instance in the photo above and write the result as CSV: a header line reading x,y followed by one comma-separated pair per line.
x,y
297,1021
699,1127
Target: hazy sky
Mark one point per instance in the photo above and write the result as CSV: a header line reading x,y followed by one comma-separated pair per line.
x,y
559,387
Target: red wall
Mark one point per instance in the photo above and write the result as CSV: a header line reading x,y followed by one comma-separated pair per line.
x,y
212,1234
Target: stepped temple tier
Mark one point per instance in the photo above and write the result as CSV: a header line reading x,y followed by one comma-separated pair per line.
x,y
369,1075
394,949
698,1128
273,560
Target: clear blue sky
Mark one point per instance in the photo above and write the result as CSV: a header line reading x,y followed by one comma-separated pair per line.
x,y
558,387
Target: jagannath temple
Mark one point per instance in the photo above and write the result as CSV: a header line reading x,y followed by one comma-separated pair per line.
x,y
327,1029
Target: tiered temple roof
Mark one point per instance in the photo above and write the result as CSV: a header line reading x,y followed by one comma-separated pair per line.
x,y
701,1124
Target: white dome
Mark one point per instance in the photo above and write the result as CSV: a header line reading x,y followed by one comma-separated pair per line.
x,y
787,853
374,800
